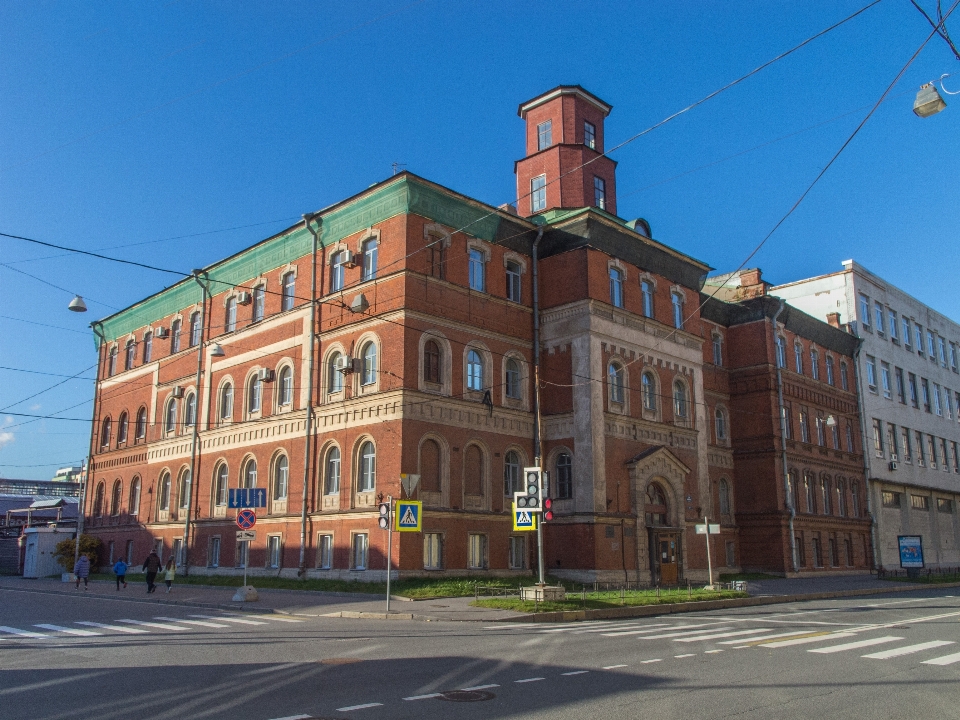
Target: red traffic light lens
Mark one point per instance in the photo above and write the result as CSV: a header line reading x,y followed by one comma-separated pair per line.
x,y
548,515
547,503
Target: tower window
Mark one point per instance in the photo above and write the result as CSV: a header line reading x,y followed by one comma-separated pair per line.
x,y
589,135
544,135
599,193
538,193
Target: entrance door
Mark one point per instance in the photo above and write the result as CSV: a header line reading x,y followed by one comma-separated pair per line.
x,y
667,558
31,557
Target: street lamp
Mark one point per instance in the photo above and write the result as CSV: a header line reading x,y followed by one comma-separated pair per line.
x,y
929,101
77,305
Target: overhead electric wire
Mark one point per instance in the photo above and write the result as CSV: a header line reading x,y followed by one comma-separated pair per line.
x,y
56,287
55,327
38,372
55,385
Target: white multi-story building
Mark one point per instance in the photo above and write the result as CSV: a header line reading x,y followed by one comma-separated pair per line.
x,y
909,376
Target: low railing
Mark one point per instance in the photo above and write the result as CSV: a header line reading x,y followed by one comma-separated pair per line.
x,y
941,574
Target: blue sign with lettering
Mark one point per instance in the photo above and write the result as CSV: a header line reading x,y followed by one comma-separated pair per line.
x,y
247,498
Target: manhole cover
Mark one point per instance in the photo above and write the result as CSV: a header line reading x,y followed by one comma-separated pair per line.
x,y
339,661
466,696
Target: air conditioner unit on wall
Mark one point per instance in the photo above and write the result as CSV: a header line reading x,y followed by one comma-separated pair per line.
x,y
349,259
178,391
160,332
356,365
892,464
243,298
347,366
265,374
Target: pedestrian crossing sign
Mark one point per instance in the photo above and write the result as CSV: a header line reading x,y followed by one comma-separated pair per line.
x,y
524,519
409,516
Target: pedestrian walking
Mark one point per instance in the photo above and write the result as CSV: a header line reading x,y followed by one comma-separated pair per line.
x,y
120,570
81,570
170,573
151,566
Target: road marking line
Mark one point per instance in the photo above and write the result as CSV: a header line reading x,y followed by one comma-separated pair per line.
x,y
646,662
266,616
22,633
514,626
607,628
69,631
811,638
161,626
907,650
945,660
795,633
911,621
478,687
575,672
359,707
202,623
581,627
684,655
526,680
117,628
741,647
233,620
424,697
656,627
295,717
855,645
613,667
664,636
712,652
713,636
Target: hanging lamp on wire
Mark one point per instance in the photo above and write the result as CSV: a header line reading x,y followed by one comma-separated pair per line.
x,y
929,101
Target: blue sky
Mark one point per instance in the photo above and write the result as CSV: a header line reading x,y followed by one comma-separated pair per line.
x,y
178,133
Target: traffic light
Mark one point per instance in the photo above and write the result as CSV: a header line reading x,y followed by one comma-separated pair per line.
x,y
529,498
547,509
384,520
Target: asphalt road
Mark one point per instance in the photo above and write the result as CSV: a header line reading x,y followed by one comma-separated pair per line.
x,y
78,656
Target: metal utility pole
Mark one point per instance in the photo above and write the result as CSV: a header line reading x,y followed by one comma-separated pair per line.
x,y
538,459
307,453
389,546
85,483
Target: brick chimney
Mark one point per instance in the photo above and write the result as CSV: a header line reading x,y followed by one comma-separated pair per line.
x,y
564,130
833,319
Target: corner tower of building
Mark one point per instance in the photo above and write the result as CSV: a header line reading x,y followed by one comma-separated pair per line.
x,y
564,165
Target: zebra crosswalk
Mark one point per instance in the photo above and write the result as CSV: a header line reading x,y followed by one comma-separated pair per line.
x,y
130,626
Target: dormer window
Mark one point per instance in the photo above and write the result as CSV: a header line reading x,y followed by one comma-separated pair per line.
x,y
589,135
544,135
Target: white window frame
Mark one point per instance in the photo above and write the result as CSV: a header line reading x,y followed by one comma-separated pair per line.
x,y
359,551
477,551
324,551
538,193
544,135
433,551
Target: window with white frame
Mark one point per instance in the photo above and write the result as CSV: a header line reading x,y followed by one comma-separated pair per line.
x,y
798,358
221,484
616,287
190,411
254,394
367,482
781,352
615,379
878,316
918,334
285,386
513,280
130,353
105,430
170,416
937,407
511,474
646,293
676,300
324,552
273,551
358,554
864,310
877,427
648,386
931,346
256,314
544,135
196,328
230,315
432,551
871,363
335,367
885,380
226,401
331,475
538,193
289,291
905,322
892,325
717,350
680,401
599,193
369,354
281,477
175,337
112,362
953,357
248,476
589,135
815,363
474,370
337,271
242,554
369,251
478,270
518,552
831,377
476,551
720,423
564,475
942,351
147,346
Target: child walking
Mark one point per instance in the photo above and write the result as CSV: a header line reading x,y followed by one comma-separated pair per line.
x,y
170,572
120,570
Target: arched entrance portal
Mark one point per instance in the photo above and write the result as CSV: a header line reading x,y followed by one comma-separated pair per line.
x,y
665,565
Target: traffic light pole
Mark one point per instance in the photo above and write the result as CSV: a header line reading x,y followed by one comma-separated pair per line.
x,y
389,546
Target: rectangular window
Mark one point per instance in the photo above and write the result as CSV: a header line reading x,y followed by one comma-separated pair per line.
x,y
892,440
946,403
544,135
230,315
821,431
476,551
538,193
513,281
817,552
953,357
616,287
885,379
111,548
289,291
478,263
925,393
901,386
919,502
921,453
804,425
906,444
324,552
914,397
836,436
129,557
589,135
646,291
945,455
815,364
957,398
731,549
956,457
147,347
717,350
865,311
799,550
213,553
518,552
942,351
872,373
918,333
786,416
931,346
258,298
890,499
945,505
677,302
273,551
878,437
831,379
892,324
937,407
906,332
798,358
932,451
358,554
438,259
878,316
599,193
432,551
337,271
844,379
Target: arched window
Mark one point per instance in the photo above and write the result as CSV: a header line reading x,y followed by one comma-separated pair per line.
x,y
431,362
842,493
831,378
513,280
815,363
336,270
254,394
122,428
129,355
175,336
793,482
190,411
430,466
724,497
798,357
616,287
844,378
564,476
369,355
105,432
230,315
196,325
281,477
676,299
369,250
474,370
141,429
826,503
334,373
147,346
170,416
331,479
367,481
163,492
115,498
112,362
98,500
248,478
721,425
679,399
808,490
615,380
648,385
133,505
221,483
288,296
781,352
256,313
513,379
473,471
183,489
226,401
511,474
285,385
656,510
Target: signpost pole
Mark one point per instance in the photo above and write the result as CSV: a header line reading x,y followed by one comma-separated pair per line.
x,y
706,521
246,560
389,547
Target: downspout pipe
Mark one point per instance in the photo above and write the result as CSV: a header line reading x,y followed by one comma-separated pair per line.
x,y
307,219
866,458
791,510
538,458
195,437
97,328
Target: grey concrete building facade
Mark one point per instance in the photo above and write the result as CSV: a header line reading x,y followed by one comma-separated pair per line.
x,y
909,379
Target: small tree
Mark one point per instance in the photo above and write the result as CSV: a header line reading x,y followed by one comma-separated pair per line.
x,y
89,546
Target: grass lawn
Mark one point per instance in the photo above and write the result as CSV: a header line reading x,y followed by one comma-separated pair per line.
x,y
599,600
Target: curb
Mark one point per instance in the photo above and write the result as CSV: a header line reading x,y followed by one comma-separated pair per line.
x,y
380,616
652,610
181,603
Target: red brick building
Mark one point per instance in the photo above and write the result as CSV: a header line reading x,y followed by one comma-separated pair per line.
x,y
413,350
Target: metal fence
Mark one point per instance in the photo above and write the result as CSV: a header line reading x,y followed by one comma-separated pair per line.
x,y
941,573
